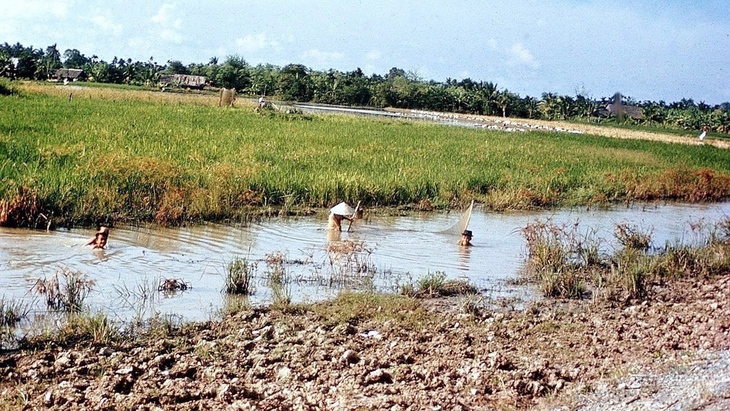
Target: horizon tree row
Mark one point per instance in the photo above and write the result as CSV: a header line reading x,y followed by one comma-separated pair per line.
x,y
398,88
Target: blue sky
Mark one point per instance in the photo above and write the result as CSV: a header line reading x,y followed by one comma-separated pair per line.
x,y
649,50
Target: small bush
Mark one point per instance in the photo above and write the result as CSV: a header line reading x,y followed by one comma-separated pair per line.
x,y
431,283
239,277
471,304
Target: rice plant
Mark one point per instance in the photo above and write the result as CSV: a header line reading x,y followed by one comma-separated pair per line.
x,y
144,156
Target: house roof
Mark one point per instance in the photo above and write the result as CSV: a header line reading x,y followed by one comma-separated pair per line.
x,y
68,73
634,112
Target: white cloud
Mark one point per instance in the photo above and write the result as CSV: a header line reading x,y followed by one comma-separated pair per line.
x,y
256,42
169,23
30,9
374,55
321,59
165,16
106,24
171,36
521,56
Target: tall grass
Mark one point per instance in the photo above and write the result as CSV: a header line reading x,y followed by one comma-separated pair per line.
x,y
12,312
239,277
556,260
140,155
65,290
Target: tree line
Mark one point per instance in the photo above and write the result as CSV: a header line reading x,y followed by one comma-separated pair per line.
x,y
397,88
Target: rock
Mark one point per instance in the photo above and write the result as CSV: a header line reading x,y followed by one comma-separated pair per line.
x,y
378,376
105,351
350,357
283,374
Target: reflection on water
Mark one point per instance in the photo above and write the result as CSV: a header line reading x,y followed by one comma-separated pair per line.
x,y
395,249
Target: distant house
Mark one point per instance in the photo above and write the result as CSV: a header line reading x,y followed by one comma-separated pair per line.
x,y
68,74
182,80
613,110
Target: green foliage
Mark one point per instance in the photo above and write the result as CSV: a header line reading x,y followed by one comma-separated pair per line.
x,y
131,155
6,88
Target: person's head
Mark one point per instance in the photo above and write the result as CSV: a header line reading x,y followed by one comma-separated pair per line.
x,y
467,234
102,234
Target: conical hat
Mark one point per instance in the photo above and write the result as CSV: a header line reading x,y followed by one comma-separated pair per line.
x,y
342,209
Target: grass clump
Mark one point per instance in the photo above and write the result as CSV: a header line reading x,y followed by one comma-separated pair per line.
x,y
353,308
96,329
632,237
65,290
436,285
239,277
12,312
559,257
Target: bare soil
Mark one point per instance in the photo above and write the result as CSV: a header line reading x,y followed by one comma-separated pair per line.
x,y
669,351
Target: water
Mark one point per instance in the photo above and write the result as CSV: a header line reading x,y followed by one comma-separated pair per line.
x,y
397,249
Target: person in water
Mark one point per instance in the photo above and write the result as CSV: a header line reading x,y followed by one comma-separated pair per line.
x,y
101,237
339,213
465,240
335,221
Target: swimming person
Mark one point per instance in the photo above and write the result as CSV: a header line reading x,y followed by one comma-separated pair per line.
x,y
465,240
101,237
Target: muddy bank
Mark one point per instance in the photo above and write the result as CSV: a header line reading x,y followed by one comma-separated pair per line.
x,y
375,352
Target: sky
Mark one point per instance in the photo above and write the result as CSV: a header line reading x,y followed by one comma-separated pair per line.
x,y
645,49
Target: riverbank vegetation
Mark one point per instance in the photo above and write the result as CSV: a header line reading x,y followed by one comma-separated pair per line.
x,y
567,263
79,156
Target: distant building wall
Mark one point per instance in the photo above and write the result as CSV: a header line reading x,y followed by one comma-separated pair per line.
x,y
183,80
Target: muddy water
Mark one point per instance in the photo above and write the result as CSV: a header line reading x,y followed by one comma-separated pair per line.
x,y
396,250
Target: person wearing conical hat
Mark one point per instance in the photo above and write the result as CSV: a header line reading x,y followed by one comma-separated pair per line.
x,y
338,213
465,239
101,237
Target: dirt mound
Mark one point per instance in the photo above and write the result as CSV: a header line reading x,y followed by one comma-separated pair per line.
x,y
396,353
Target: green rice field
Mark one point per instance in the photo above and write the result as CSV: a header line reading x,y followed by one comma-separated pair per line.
x,y
135,155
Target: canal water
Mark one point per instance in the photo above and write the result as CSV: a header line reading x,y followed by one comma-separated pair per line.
x,y
379,252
